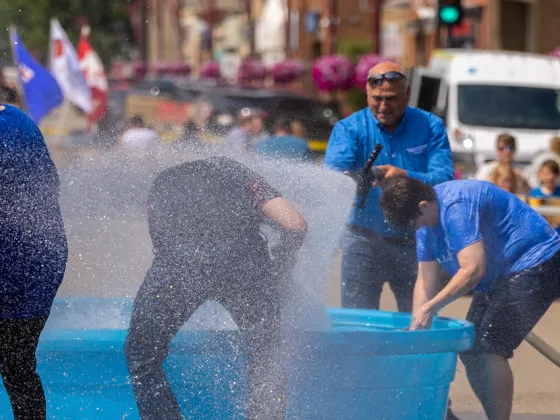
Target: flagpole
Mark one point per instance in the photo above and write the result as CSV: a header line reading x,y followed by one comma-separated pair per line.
x,y
23,102
63,116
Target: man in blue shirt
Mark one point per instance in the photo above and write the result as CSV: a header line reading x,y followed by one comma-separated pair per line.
x,y
414,143
284,145
33,254
488,240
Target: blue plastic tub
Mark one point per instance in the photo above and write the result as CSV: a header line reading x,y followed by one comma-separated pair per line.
x,y
362,368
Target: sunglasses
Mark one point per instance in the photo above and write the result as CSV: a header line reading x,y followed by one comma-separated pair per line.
x,y
390,76
509,147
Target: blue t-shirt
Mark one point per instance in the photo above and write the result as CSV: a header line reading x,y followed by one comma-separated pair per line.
x,y
515,236
419,145
288,147
538,193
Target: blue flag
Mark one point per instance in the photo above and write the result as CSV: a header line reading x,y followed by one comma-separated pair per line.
x,y
41,90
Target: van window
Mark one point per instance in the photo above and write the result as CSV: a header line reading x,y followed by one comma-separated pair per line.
x,y
429,89
509,106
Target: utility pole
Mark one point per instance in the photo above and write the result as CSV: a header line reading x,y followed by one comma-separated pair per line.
x,y
144,30
251,26
333,23
377,10
210,15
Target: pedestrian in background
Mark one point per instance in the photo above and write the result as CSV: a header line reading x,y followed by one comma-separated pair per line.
x,y
283,144
415,144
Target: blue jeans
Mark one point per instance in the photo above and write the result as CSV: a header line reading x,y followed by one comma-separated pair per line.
x,y
368,261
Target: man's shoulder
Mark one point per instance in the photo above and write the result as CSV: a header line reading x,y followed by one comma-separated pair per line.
x,y
357,117
420,115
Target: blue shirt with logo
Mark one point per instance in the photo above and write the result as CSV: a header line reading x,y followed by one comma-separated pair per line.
x,y
419,145
515,236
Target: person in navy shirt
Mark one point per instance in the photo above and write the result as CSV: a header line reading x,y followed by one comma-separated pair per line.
x,y
489,241
548,178
33,255
414,143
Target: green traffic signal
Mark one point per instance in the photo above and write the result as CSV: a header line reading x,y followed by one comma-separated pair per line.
x,y
449,14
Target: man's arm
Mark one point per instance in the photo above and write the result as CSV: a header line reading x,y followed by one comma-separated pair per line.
x,y
472,263
428,283
293,228
342,149
440,163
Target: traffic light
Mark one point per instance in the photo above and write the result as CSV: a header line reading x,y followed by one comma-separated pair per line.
x,y
450,12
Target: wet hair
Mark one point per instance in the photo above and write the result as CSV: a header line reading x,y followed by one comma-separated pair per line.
x,y
555,145
551,165
506,139
400,198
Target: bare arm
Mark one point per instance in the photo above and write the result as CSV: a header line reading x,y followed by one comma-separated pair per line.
x,y
472,264
284,214
428,283
293,229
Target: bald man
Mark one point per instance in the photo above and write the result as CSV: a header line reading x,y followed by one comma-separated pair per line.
x,y
415,144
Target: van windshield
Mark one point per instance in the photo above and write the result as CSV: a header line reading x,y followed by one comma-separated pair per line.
x,y
509,106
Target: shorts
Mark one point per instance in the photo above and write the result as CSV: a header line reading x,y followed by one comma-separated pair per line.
x,y
504,317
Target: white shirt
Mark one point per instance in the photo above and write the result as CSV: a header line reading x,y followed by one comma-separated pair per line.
x,y
136,138
485,170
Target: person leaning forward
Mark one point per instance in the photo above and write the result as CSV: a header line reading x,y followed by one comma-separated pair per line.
x,y
489,241
414,143
205,221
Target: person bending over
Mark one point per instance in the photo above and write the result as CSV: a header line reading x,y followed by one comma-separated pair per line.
x,y
205,221
488,240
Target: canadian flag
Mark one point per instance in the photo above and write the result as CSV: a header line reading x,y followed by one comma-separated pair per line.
x,y
65,68
95,76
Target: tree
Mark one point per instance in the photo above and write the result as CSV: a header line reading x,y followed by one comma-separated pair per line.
x,y
32,18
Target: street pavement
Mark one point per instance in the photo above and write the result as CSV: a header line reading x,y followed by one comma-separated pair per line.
x,y
537,380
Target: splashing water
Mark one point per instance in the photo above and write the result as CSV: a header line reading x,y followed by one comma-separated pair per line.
x,y
103,200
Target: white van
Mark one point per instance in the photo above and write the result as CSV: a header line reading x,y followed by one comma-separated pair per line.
x,y
481,93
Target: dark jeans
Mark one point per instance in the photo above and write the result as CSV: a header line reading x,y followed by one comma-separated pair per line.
x,y
368,261
18,343
170,294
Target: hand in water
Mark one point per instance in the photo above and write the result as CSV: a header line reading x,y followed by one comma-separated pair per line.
x,y
421,319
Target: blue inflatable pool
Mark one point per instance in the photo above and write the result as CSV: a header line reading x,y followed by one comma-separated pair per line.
x,y
363,367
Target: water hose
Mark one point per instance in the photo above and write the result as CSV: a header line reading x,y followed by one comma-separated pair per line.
x,y
544,348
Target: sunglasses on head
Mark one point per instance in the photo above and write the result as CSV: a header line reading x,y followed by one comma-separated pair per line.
x,y
390,76
509,147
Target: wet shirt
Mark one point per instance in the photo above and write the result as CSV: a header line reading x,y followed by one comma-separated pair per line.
x,y
33,249
419,145
210,207
515,236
